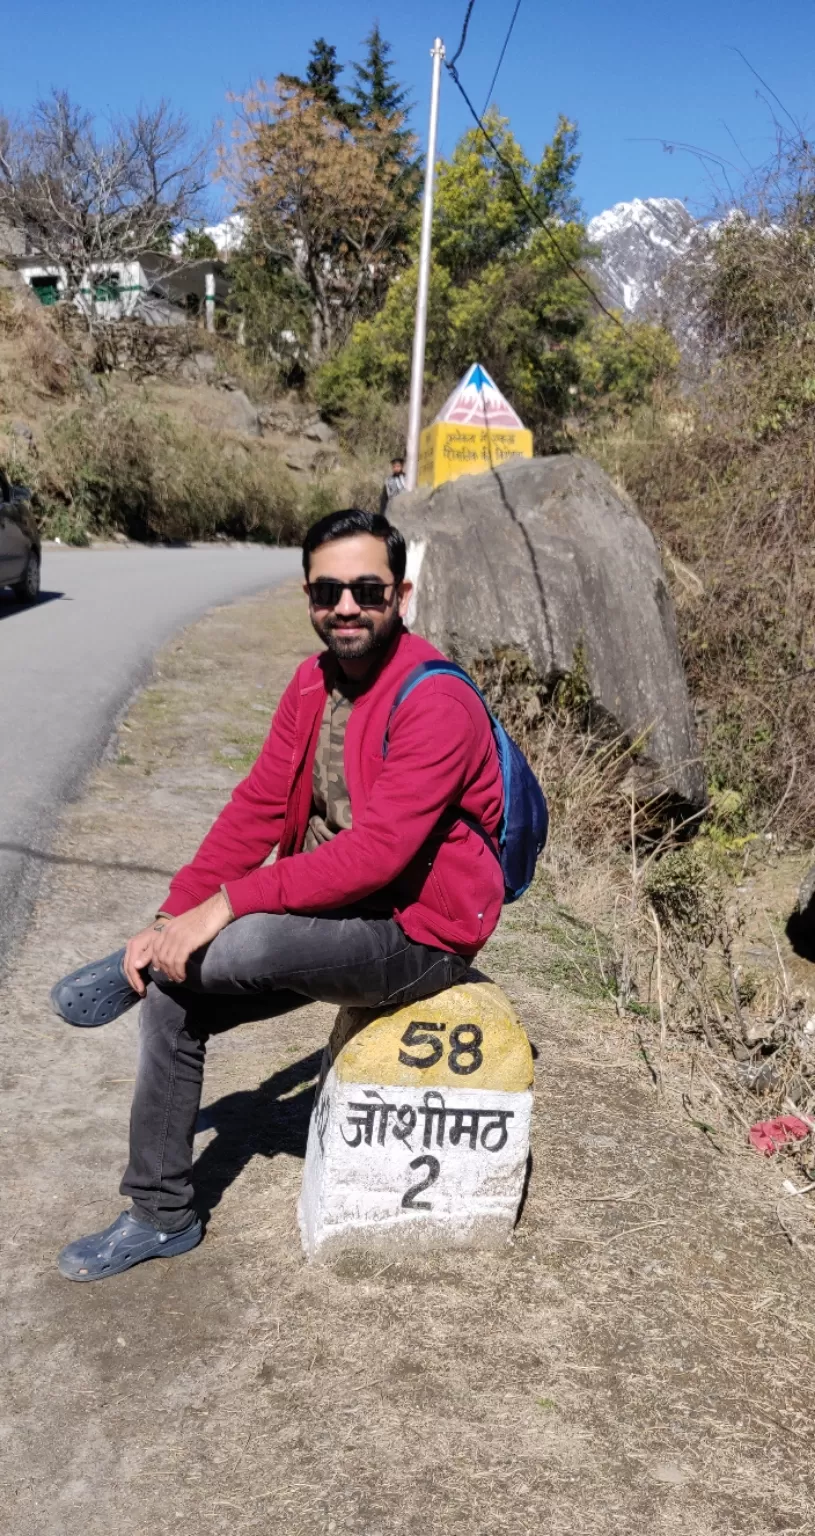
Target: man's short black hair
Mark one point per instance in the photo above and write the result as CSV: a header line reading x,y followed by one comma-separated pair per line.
x,y
343,525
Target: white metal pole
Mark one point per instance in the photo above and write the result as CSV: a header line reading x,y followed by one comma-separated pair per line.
x,y
420,331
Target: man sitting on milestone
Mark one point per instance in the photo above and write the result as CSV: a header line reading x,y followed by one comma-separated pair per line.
x,y
384,887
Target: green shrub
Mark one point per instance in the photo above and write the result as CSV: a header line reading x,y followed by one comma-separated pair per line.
x,y
68,524
619,364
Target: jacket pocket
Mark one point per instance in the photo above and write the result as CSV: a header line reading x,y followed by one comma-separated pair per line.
x,y
440,900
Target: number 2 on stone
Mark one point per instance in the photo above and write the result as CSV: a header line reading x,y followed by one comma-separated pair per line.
x,y
466,1041
433,1166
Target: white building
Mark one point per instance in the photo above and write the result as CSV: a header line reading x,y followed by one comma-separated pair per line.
x,y
158,288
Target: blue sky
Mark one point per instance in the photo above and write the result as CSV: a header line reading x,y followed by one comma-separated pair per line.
x,y
631,73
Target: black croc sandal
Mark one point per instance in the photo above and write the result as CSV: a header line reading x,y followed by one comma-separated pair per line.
x,y
127,1241
94,994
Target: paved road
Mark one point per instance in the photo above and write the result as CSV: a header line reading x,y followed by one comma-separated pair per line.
x,y
69,665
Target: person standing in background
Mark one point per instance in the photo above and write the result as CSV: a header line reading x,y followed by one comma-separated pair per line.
x,y
394,484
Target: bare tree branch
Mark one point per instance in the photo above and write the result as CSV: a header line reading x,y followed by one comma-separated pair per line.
x,y
87,196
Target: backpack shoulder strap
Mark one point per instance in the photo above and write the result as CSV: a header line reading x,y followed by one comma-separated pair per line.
x,y
425,669
445,668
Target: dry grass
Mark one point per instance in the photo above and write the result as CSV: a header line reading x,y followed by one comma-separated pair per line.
x,y
737,519
680,938
121,464
105,456
726,479
34,359
628,910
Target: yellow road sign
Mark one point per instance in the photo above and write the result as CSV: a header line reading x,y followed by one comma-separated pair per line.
x,y
447,450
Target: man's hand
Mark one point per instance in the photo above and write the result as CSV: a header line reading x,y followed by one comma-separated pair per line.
x,y
181,936
139,955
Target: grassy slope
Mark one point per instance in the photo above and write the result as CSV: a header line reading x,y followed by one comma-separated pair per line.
x,y
149,455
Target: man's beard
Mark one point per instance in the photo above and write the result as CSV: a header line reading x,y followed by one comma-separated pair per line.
x,y
352,647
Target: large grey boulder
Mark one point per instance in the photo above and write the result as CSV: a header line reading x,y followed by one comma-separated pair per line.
x,y
239,414
546,558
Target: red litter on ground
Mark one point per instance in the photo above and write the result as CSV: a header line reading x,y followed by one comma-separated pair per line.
x,y
768,1136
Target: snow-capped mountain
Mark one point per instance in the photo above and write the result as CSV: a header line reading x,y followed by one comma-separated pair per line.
x,y
649,267
639,242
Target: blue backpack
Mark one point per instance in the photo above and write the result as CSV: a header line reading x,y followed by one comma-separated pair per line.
x,y
525,822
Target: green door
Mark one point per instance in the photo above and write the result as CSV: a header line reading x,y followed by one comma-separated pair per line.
x,y
46,289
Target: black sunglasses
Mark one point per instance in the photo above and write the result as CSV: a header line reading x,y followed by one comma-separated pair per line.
x,y
367,592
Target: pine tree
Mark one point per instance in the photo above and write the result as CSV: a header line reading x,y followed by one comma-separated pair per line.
x,y
376,95
379,107
322,73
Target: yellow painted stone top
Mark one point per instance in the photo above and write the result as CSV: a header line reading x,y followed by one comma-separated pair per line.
x,y
447,452
466,1037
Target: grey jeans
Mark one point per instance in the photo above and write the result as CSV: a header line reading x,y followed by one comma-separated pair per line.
x,y
258,967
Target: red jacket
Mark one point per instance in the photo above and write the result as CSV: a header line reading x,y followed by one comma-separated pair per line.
x,y
443,882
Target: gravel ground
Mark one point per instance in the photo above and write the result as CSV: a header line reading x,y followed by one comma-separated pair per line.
x,y
638,1360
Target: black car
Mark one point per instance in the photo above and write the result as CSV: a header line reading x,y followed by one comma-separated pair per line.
x,y
20,550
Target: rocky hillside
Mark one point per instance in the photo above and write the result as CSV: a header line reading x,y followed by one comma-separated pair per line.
x,y
640,242
650,251
158,432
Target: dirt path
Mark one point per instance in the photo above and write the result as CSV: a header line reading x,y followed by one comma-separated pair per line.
x,y
639,1360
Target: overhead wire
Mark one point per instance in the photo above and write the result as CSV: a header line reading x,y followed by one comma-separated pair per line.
x,y
525,198
462,42
450,65
501,55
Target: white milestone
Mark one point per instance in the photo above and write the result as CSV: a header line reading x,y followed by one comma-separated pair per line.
x,y
420,1130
